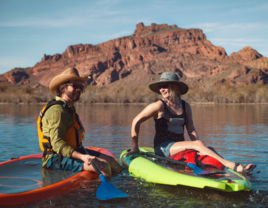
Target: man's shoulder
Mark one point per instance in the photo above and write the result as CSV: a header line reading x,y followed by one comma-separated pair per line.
x,y
54,109
57,109
57,113
58,104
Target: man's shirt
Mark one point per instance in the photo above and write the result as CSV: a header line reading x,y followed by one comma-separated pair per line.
x,y
56,121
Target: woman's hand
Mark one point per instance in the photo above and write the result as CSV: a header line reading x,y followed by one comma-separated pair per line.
x,y
134,150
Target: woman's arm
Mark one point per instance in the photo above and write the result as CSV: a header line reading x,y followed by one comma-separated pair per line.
x,y
190,123
152,110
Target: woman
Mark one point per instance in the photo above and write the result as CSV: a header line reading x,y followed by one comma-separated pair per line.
x,y
171,114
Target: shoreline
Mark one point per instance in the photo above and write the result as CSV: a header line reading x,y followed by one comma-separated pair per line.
x,y
191,103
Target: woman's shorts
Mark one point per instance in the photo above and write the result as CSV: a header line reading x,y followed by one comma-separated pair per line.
x,y
164,148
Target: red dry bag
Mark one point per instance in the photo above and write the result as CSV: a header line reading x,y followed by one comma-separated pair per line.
x,y
188,156
202,161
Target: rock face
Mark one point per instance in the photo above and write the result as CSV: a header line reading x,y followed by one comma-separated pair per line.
x,y
245,55
142,57
16,76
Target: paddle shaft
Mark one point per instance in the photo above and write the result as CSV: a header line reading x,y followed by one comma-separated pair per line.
x,y
196,169
93,163
95,167
163,158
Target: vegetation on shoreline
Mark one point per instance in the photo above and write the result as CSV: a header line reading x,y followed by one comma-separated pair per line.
x,y
226,93
223,93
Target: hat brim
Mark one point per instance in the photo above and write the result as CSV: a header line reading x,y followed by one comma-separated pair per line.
x,y
154,86
63,78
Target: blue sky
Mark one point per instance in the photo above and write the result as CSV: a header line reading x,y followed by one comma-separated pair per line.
x,y
31,28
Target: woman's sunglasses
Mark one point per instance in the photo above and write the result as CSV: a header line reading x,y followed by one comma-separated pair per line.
x,y
76,86
164,86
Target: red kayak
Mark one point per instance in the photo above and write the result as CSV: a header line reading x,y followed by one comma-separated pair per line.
x,y
23,180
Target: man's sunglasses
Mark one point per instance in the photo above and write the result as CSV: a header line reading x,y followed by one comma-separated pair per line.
x,y
76,86
164,86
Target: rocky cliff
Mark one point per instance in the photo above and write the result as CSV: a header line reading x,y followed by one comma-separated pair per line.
x,y
143,56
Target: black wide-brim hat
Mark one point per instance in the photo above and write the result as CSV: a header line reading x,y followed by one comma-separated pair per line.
x,y
169,77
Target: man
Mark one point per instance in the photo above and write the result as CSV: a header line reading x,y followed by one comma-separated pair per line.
x,y
61,131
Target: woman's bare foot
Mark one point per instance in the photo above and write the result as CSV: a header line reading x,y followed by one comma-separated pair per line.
x,y
240,168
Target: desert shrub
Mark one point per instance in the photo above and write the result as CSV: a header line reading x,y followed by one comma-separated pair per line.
x,y
222,93
25,98
236,97
3,87
261,95
117,94
225,93
3,97
27,89
11,98
197,94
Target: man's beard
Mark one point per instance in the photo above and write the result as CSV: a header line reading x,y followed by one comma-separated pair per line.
x,y
73,96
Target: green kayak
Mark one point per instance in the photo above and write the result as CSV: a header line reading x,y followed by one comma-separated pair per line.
x,y
156,171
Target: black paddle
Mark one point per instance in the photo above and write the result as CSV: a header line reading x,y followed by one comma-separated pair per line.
x,y
196,170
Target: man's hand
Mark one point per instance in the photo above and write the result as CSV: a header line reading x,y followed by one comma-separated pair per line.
x,y
87,159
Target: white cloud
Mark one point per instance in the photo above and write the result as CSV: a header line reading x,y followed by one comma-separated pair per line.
x,y
106,2
238,43
90,14
82,16
257,7
122,33
41,22
111,36
83,19
8,63
216,27
239,40
263,52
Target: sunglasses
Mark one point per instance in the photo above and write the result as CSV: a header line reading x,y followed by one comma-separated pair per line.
x,y
76,86
164,86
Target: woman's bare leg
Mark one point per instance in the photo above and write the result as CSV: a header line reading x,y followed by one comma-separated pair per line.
x,y
203,150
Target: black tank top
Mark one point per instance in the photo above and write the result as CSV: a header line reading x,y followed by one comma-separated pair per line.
x,y
170,127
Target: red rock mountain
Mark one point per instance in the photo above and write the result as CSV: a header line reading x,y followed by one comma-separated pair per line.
x,y
142,57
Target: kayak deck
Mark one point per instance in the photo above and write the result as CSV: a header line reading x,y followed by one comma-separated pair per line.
x,y
24,180
155,171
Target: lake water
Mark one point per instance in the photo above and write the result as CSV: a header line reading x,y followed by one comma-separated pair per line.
x,y
237,132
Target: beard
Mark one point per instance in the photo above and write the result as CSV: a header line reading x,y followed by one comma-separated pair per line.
x,y
73,96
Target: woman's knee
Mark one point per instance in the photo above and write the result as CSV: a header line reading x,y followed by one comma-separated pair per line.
x,y
198,144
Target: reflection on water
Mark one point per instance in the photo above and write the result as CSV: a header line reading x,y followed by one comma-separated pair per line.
x,y
238,132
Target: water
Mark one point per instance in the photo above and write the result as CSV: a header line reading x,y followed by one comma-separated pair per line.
x,y
238,132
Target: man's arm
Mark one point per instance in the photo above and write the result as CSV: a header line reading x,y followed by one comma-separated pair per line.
x,y
57,123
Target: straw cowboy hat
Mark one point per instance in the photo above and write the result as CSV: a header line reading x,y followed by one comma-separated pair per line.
x,y
66,76
169,77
